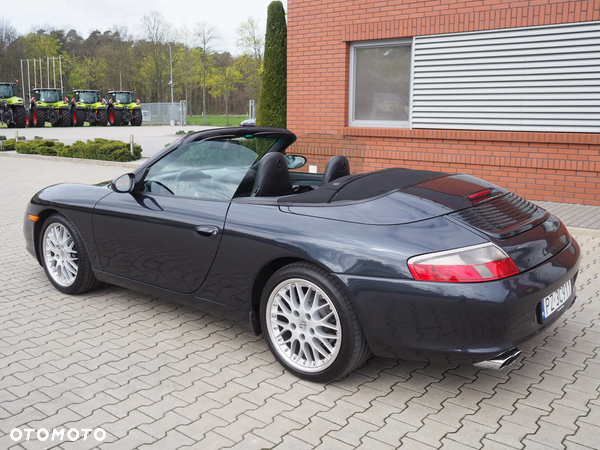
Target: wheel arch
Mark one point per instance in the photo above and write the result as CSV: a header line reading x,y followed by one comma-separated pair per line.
x,y
263,276
37,230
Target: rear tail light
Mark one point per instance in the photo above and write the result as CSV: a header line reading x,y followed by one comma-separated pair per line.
x,y
485,262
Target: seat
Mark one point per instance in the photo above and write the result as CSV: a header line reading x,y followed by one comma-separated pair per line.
x,y
337,167
272,177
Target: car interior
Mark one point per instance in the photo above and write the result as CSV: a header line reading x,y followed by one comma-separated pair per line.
x,y
228,169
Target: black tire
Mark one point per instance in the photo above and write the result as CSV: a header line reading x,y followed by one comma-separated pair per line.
x,y
115,117
299,348
39,117
65,118
77,118
30,118
20,116
78,277
101,117
136,117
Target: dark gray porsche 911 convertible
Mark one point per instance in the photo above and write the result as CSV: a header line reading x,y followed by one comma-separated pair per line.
x,y
332,267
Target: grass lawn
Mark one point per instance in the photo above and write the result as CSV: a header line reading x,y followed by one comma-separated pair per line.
x,y
217,120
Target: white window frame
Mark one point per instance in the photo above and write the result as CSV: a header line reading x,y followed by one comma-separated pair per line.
x,y
354,46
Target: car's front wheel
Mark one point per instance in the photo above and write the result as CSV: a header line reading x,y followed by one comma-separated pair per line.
x,y
64,257
310,324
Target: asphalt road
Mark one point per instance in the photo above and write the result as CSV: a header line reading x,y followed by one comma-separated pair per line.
x,y
151,138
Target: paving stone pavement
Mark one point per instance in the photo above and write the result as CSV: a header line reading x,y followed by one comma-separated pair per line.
x,y
154,374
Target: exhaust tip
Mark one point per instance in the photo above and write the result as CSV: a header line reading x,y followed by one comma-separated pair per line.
x,y
501,361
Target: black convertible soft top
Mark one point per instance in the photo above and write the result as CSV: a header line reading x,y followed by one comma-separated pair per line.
x,y
362,186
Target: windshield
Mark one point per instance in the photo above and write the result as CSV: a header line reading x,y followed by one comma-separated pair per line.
x,y
88,97
123,97
6,91
49,96
209,170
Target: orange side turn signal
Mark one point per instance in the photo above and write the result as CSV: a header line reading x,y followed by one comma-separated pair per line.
x,y
33,218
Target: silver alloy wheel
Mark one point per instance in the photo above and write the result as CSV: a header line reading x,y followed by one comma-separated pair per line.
x,y
303,325
60,254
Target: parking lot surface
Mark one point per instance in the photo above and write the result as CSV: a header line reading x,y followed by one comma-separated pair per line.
x,y
154,374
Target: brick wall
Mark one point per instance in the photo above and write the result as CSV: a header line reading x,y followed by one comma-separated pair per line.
x,y
540,166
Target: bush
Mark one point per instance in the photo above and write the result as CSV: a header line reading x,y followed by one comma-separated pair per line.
x,y
272,102
102,149
8,145
40,147
2,138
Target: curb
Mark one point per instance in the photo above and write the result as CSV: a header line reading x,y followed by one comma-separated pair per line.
x,y
14,154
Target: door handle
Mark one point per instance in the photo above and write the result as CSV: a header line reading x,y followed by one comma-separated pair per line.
x,y
209,231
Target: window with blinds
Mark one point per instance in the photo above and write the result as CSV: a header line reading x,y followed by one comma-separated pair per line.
x,y
544,78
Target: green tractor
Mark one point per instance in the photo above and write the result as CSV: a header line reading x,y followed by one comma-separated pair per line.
x,y
47,105
122,109
12,109
87,106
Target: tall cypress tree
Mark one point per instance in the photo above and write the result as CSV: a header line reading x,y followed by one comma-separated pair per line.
x,y
272,101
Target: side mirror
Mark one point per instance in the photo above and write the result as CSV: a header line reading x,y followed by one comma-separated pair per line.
x,y
295,161
123,183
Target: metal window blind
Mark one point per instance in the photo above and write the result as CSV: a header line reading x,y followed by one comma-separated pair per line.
x,y
522,79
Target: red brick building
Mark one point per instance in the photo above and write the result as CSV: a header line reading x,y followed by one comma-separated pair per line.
x,y
505,90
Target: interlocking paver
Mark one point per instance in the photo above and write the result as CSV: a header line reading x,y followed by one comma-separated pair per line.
x,y
173,439
431,433
368,443
471,433
587,435
249,442
353,432
314,431
510,434
236,430
341,412
155,374
392,432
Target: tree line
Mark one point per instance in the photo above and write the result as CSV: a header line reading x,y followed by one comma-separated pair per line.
x,y
211,82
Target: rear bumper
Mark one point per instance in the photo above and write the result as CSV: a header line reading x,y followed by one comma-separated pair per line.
x,y
462,322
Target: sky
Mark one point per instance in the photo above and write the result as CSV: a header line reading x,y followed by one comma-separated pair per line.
x,y
86,16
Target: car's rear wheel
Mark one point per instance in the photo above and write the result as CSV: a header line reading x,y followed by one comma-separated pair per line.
x,y
64,257
310,324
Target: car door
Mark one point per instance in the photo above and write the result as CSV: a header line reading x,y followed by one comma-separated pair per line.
x,y
166,233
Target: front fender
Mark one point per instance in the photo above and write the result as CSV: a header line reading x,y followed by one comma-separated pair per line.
x,y
74,201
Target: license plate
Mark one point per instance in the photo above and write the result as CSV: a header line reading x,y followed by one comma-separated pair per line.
x,y
557,299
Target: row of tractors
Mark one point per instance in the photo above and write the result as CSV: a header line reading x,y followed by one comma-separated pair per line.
x,y
85,105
